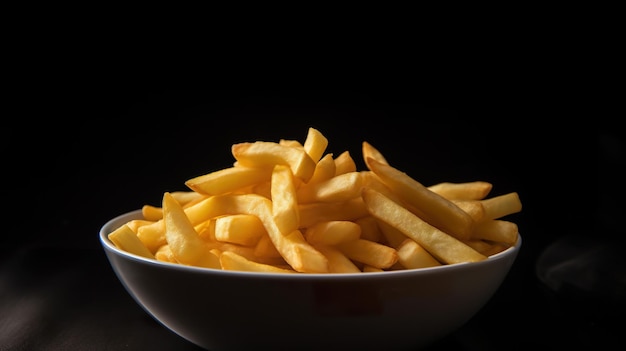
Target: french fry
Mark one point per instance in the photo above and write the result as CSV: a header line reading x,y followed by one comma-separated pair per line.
x,y
434,209
444,247
491,208
126,239
151,213
232,261
291,143
339,188
370,152
474,208
477,190
134,224
185,198
495,249
265,154
315,144
412,256
368,269
164,254
496,230
369,228
187,247
337,261
206,230
324,170
229,179
344,163
152,235
393,236
284,200
486,248
372,181
369,252
264,189
249,252
242,229
332,232
332,211
266,249
502,205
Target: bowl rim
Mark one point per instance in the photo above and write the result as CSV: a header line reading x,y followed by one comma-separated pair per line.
x,y
107,228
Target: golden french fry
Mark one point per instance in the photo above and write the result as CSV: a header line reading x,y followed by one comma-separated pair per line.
x,y
495,248
412,256
126,239
206,230
496,230
151,213
372,181
152,235
339,188
185,198
242,229
434,209
338,211
478,244
393,236
368,269
284,200
370,151
491,208
474,208
266,249
486,248
248,252
234,262
369,253
477,190
337,260
344,163
324,170
264,154
369,228
502,205
444,247
187,247
303,257
315,144
332,232
264,189
134,224
164,253
229,179
291,143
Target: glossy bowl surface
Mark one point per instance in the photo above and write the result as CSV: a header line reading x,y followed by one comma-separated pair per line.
x,y
230,310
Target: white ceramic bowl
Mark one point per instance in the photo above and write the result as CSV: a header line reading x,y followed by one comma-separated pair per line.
x,y
230,310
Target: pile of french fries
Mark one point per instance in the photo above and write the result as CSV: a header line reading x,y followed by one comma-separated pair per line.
x,y
291,207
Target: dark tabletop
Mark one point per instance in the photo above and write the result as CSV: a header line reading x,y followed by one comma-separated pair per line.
x,y
93,156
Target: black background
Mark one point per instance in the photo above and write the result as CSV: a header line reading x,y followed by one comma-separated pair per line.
x,y
78,159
